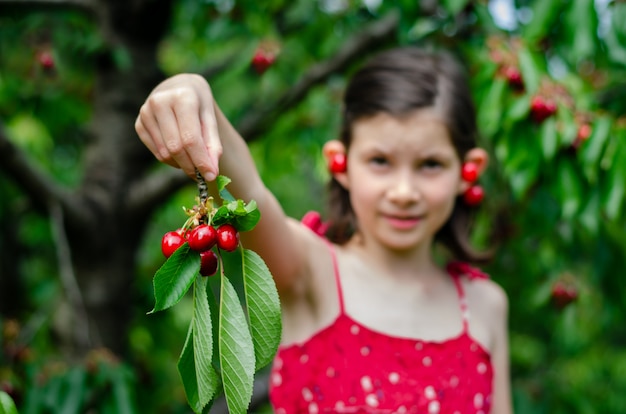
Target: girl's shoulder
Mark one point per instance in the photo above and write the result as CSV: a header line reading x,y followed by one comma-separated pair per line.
x,y
479,287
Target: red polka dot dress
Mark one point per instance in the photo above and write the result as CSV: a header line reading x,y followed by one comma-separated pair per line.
x,y
350,368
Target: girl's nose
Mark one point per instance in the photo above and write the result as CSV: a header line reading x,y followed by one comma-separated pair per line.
x,y
403,189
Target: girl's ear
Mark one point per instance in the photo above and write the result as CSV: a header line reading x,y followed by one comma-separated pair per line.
x,y
330,150
480,159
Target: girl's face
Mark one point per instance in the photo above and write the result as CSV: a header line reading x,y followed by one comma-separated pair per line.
x,y
403,177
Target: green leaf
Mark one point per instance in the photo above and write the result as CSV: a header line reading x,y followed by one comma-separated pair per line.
x,y
566,125
203,342
590,216
549,138
200,379
520,157
423,27
175,277
243,216
236,350
582,24
519,109
187,370
544,15
484,18
77,387
263,307
123,399
490,110
7,406
454,6
593,148
615,188
222,182
247,222
616,37
570,189
531,70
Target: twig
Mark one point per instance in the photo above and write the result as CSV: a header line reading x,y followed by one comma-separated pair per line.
x,y
68,278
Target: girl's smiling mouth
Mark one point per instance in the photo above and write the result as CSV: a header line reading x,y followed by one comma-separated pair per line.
x,y
402,222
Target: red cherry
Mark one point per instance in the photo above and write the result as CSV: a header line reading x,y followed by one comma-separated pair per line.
x,y
474,195
563,294
227,237
550,107
338,163
208,263
584,132
540,109
261,61
170,242
202,238
46,60
514,77
469,172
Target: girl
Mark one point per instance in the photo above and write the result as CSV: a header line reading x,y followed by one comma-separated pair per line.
x,y
371,322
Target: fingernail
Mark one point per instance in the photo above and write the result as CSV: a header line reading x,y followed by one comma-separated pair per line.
x,y
209,176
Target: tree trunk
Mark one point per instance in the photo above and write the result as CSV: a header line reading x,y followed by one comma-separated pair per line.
x,y
103,249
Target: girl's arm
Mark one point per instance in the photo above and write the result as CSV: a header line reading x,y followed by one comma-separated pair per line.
x,y
182,126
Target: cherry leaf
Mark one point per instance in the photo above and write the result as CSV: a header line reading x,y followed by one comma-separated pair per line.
x,y
175,277
243,216
263,307
235,349
200,379
490,110
7,406
248,221
222,182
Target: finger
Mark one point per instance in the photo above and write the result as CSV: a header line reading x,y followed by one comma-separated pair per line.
x,y
212,140
190,130
148,131
169,129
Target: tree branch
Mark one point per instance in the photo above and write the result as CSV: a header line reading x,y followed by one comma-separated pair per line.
x,y
81,331
154,189
218,67
257,122
37,186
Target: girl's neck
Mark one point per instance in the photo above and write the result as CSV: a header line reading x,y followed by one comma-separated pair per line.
x,y
406,263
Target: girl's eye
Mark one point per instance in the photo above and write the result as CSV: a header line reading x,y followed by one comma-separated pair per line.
x,y
431,164
378,160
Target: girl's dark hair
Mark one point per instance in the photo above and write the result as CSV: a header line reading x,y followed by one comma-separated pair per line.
x,y
398,81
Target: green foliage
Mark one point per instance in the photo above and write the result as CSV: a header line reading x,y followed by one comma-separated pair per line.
x,y
554,206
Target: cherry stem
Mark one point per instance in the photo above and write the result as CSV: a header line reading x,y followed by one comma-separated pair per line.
x,y
203,190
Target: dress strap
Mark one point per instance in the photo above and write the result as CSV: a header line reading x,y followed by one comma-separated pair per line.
x,y
456,270
333,255
462,302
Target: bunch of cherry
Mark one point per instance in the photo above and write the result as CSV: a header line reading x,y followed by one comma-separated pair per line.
x,y
475,193
202,239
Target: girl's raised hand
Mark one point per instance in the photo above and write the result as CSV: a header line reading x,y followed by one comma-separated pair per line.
x,y
178,125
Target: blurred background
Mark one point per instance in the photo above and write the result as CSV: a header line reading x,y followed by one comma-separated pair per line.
x,y
83,205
